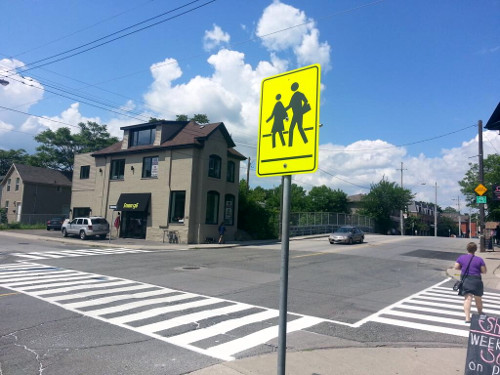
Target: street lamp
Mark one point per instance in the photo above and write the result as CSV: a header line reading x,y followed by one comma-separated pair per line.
x,y
435,207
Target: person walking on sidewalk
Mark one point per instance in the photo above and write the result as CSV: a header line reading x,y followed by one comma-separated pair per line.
x,y
222,230
472,267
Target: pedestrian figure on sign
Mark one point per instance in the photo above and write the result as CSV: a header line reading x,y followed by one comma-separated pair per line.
x,y
279,115
222,230
117,224
299,106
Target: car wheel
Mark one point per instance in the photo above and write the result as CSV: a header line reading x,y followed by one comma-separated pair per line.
x,y
83,235
48,228
350,241
64,233
331,242
361,239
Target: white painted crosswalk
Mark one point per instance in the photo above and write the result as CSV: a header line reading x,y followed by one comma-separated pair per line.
x,y
435,309
212,326
77,253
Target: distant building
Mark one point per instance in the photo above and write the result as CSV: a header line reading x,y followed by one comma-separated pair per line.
x,y
354,202
33,195
165,178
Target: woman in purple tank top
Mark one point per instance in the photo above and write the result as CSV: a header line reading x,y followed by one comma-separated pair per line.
x,y
472,267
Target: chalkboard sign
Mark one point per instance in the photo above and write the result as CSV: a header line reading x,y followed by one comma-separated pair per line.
x,y
483,350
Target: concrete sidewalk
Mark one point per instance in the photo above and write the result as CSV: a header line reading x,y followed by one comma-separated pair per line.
x,y
337,360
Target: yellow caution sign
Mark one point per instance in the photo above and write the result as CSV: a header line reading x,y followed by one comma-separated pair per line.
x,y
480,189
289,123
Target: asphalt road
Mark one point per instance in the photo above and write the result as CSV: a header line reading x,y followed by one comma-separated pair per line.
x,y
338,290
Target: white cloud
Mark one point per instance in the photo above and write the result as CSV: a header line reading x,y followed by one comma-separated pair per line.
x,y
214,38
284,27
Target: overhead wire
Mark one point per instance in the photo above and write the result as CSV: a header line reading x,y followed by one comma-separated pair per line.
x,y
30,65
82,29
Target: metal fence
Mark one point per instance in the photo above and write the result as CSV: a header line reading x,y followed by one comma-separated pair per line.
x,y
306,223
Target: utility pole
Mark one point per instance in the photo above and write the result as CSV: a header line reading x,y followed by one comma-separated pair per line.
x,y
459,217
401,221
435,209
248,173
481,180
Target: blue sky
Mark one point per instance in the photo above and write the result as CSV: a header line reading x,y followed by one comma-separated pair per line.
x,y
401,81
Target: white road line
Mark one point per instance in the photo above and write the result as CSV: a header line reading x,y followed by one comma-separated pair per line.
x,y
98,286
229,349
94,293
163,310
223,327
422,327
191,318
106,300
142,303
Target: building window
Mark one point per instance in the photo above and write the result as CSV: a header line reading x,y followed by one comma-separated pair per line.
x,y
8,184
142,137
84,172
177,204
230,171
150,167
117,169
81,211
17,183
6,204
229,209
214,166
212,214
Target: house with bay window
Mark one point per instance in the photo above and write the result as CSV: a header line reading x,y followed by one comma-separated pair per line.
x,y
168,179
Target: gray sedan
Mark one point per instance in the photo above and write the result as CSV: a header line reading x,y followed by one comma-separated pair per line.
x,y
347,234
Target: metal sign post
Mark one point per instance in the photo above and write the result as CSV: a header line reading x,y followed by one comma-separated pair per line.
x,y
291,101
285,249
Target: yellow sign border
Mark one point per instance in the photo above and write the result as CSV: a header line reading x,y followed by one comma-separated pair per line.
x,y
315,106
481,189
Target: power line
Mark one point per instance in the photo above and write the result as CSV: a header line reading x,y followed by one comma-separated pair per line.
x,y
82,29
114,39
30,114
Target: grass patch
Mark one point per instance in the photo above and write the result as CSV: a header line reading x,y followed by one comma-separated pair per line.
x,y
18,225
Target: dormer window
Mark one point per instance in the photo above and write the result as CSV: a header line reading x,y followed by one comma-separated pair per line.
x,y
142,137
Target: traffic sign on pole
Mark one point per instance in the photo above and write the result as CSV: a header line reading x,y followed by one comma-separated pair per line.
x,y
288,136
480,199
480,189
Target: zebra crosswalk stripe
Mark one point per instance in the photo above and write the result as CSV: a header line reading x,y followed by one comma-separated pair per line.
x,y
35,255
145,308
435,309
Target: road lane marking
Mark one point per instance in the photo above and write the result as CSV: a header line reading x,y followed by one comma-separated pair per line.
x,y
165,314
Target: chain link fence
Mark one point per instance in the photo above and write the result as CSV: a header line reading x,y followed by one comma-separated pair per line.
x,y
307,223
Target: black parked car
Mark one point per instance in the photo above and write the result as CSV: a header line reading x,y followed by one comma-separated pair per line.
x,y
55,223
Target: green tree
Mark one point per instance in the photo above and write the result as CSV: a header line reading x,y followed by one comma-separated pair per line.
x,y
324,199
200,118
253,217
491,169
7,158
385,199
58,147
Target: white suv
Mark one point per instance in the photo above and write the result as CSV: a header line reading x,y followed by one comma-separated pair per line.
x,y
86,227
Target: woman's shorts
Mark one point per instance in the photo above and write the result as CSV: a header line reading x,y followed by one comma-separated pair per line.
x,y
473,285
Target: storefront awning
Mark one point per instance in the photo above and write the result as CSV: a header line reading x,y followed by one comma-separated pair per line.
x,y
133,202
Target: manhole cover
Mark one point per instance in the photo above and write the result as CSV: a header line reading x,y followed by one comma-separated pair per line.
x,y
23,243
190,268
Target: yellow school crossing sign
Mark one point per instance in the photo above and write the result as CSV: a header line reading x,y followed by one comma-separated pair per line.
x,y
289,123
